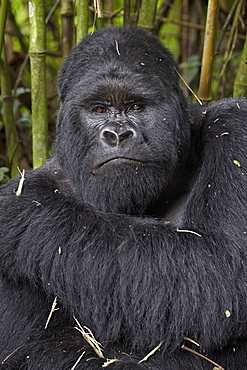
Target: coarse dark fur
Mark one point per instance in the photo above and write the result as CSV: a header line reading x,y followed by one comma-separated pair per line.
x,y
137,224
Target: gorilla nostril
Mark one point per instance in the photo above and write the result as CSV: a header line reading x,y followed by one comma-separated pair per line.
x,y
111,138
125,136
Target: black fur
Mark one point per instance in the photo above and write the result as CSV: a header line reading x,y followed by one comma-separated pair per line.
x,y
137,224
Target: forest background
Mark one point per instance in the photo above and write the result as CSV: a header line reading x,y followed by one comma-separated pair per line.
x,y
207,39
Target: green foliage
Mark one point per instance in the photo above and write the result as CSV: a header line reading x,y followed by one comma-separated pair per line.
x,y
170,32
3,174
190,68
240,85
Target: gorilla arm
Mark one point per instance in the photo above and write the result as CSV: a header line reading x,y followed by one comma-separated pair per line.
x,y
131,277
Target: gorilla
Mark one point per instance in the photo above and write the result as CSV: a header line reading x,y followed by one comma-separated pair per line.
x,y
127,248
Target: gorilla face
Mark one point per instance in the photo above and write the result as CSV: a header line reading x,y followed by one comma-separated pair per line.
x,y
122,135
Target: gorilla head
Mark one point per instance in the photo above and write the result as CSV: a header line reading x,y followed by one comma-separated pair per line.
x,y
123,132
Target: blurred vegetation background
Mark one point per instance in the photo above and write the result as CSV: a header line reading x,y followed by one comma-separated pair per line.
x,y
36,35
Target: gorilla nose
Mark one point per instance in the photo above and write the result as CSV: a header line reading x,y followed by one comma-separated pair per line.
x,y
113,138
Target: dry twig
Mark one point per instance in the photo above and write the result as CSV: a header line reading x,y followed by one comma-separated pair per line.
x,y
188,231
117,48
21,182
78,360
6,358
53,309
89,337
188,87
200,355
109,362
192,341
151,353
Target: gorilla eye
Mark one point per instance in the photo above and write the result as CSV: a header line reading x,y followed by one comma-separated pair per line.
x,y
100,110
136,107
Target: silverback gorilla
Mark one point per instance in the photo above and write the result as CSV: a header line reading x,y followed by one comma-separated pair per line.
x,y
127,249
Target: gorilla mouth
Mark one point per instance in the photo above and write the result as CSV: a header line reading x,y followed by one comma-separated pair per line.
x,y
116,159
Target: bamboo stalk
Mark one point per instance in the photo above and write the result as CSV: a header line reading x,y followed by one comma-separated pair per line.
x,y
10,129
37,53
82,19
99,20
67,12
135,15
232,39
204,91
109,10
126,12
147,14
226,25
99,8
3,17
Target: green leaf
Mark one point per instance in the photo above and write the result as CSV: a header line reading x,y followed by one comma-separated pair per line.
x,y
3,170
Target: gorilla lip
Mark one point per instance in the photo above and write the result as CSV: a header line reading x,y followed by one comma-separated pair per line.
x,y
116,159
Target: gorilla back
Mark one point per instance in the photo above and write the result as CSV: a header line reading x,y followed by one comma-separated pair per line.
x,y
135,228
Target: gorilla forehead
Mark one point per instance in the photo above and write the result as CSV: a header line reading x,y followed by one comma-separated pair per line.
x,y
113,50
114,86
